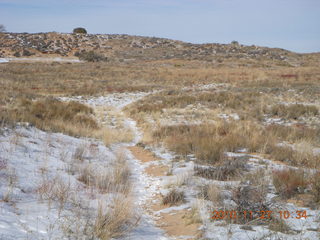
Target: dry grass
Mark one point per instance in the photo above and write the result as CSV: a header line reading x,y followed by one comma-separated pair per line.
x,y
299,157
55,189
3,164
116,179
296,133
228,169
111,135
279,225
315,186
230,99
194,215
117,221
111,219
106,222
174,197
52,115
212,193
293,111
250,198
11,180
71,118
79,153
208,142
289,182
35,79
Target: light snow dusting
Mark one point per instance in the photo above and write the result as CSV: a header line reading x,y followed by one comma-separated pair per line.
x,y
35,166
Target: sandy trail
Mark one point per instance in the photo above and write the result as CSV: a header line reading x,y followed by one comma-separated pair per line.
x,y
158,222
174,221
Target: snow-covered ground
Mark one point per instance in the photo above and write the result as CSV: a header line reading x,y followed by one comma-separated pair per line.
x,y
144,187
117,100
3,60
31,159
36,168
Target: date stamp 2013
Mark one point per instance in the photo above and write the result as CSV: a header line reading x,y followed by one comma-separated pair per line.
x,y
251,215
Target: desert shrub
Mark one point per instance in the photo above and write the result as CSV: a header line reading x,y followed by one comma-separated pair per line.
x,y
17,54
289,182
174,197
2,28
229,169
27,53
250,199
80,30
293,111
91,56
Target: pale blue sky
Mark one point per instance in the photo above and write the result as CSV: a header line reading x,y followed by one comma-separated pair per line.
x,y
289,24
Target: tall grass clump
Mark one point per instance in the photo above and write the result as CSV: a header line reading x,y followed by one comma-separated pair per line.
x,y
293,111
49,114
208,142
289,182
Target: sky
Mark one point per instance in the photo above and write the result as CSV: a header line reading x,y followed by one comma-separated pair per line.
x,y
289,24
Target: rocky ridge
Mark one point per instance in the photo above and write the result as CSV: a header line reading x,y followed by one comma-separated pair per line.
x,y
121,48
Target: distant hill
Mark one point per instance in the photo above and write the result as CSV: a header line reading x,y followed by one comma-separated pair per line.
x,y
121,48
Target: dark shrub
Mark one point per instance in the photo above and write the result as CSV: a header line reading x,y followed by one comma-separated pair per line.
x,y
174,197
80,30
2,28
91,56
17,54
27,53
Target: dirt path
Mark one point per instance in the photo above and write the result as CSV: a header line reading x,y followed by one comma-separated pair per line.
x,y
175,221
160,222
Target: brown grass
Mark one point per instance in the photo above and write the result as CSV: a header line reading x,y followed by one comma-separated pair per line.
x,y
229,169
289,182
293,111
55,189
79,153
174,197
117,221
293,157
230,99
116,179
52,115
295,133
250,198
315,186
279,225
209,141
212,193
39,79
